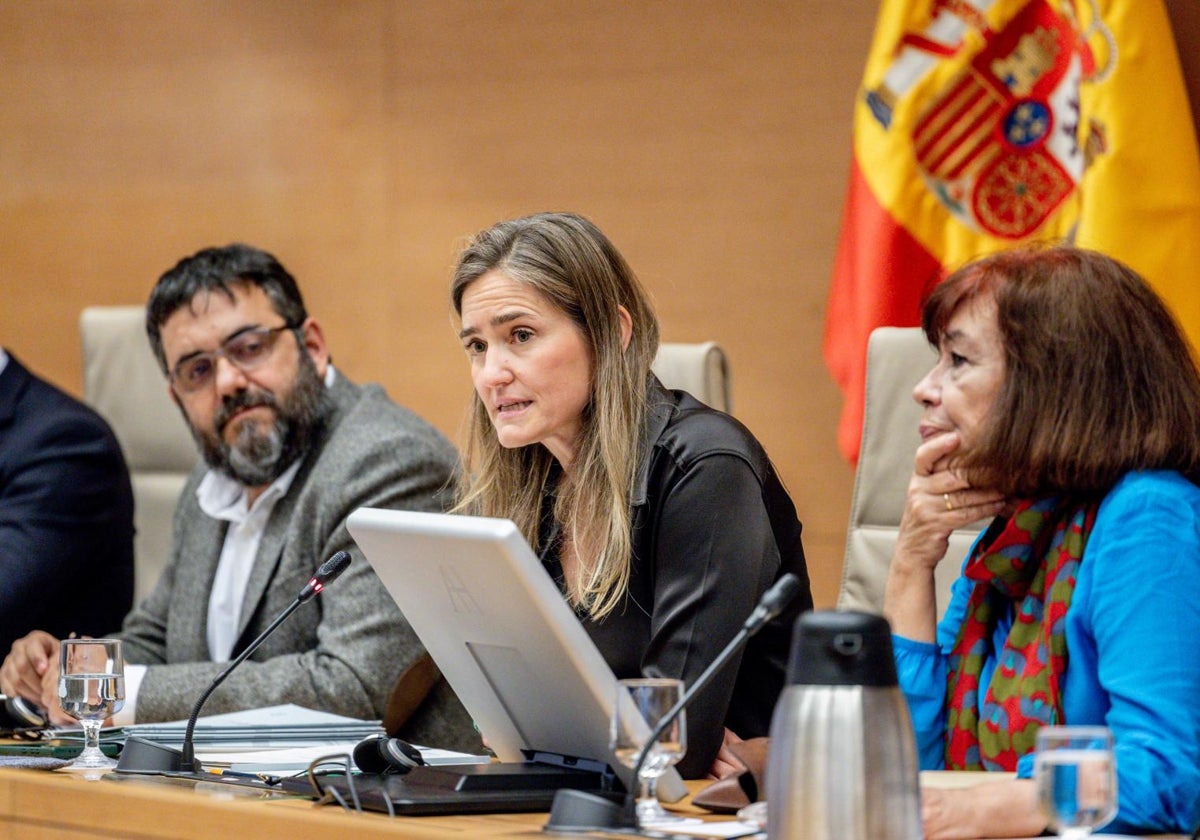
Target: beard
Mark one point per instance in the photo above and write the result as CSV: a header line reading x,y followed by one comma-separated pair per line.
x,y
262,452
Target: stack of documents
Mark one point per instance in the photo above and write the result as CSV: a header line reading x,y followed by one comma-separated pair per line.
x,y
271,728
277,739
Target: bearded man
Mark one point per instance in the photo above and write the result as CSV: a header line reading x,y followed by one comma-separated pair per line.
x,y
290,448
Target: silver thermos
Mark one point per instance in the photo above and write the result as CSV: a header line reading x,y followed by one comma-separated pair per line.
x,y
842,763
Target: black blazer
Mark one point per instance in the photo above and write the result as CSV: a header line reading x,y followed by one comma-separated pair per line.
x,y
66,514
713,529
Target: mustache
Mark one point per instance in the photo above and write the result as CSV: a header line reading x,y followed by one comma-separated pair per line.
x,y
240,401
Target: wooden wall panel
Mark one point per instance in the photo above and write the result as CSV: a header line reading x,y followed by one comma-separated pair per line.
x,y
361,140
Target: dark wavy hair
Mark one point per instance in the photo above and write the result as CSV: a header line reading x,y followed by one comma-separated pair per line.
x,y
219,269
1100,378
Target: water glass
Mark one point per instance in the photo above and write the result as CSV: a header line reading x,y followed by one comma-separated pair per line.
x,y
91,688
1076,774
640,707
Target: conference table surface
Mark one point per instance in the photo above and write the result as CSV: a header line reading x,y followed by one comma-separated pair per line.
x,y
37,804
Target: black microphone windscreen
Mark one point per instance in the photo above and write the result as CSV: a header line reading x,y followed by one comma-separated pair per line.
x,y
325,575
780,595
332,568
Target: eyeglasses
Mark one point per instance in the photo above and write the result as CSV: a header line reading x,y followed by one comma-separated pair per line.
x,y
246,351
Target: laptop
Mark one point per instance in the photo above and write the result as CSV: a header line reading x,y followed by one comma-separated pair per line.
x,y
514,652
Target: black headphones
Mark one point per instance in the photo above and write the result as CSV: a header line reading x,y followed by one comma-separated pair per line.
x,y
381,754
19,713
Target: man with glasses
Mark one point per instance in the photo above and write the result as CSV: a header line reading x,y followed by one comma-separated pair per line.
x,y
290,448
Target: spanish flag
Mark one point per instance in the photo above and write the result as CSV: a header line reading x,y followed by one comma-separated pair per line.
x,y
983,124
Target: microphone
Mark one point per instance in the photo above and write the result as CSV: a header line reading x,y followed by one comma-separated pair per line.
x,y
575,810
149,757
772,603
329,571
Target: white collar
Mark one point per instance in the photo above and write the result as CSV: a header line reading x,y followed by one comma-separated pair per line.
x,y
222,497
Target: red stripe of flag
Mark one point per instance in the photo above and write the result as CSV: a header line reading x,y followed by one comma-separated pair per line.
x,y
880,276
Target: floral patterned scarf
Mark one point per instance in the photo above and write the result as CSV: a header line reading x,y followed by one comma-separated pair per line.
x,y
1031,565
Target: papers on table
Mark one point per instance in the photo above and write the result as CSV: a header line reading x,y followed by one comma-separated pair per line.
x,y
280,762
108,735
278,739
731,828
274,727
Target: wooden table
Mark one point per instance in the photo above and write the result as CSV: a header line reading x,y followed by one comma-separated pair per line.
x,y
964,778
39,804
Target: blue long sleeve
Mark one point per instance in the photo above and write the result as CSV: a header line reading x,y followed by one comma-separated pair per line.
x,y
1133,643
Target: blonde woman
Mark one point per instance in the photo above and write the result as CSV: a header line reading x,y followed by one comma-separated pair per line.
x,y
662,520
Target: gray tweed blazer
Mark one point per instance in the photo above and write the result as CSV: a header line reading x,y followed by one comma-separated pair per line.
x,y
343,651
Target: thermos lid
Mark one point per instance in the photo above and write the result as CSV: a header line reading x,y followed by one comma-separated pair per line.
x,y
841,648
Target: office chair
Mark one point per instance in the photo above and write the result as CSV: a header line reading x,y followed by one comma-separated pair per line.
x,y
700,369
897,358
123,382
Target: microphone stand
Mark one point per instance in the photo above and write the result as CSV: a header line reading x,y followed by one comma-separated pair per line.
x,y
147,757
187,758
575,810
739,641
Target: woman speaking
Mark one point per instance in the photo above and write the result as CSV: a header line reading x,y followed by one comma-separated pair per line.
x,y
662,520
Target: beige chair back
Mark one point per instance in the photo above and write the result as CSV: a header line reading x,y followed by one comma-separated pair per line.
x,y
122,381
897,358
700,369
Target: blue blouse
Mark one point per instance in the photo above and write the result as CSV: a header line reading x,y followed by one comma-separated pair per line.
x,y
1133,648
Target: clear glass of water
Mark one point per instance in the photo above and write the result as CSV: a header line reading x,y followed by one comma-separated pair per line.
x,y
640,706
1076,773
91,688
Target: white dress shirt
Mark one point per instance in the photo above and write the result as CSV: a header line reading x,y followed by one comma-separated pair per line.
x,y
223,498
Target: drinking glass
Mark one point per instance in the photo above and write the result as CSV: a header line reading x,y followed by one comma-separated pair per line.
x,y
91,688
1076,775
641,705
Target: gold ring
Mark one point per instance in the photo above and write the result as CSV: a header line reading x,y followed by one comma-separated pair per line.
x,y
949,504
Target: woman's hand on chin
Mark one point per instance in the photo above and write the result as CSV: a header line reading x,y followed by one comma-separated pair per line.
x,y
939,501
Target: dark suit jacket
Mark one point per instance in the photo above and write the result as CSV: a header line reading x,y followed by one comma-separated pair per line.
x,y
343,651
66,514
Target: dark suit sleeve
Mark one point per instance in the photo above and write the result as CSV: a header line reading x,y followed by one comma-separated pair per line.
x,y
66,525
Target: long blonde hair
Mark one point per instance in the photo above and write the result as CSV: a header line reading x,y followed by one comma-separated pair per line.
x,y
568,260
